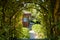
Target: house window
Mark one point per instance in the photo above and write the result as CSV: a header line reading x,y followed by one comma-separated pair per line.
x,y
25,19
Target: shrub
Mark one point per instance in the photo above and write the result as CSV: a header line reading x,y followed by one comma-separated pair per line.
x,y
23,34
39,29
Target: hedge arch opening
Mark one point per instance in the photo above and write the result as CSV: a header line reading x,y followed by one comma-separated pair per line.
x,y
38,12
42,12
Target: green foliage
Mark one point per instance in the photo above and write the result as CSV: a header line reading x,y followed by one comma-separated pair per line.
x,y
4,35
25,31
23,34
37,28
40,30
10,16
58,27
8,9
58,37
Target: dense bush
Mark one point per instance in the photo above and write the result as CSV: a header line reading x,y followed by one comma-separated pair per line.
x,y
40,31
23,34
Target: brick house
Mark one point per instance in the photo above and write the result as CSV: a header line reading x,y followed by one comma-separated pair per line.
x,y
26,18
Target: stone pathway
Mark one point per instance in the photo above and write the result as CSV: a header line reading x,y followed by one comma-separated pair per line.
x,y
33,35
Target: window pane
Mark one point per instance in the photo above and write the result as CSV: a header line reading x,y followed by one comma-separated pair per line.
x,y
25,19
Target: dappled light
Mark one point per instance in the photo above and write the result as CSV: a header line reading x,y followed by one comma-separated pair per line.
x,y
29,19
